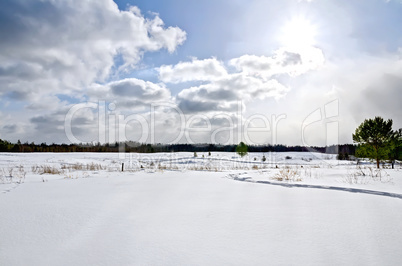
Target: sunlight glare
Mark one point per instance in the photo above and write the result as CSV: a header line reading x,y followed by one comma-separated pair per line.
x,y
298,33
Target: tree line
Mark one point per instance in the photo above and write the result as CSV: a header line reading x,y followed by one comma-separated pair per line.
x,y
130,146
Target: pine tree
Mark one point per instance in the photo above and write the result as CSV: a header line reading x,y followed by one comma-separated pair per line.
x,y
242,149
374,137
396,147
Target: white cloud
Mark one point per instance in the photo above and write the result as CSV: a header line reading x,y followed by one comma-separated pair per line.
x,y
284,61
255,78
196,70
55,52
52,47
165,38
130,93
223,94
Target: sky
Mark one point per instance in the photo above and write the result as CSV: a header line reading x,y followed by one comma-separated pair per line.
x,y
291,72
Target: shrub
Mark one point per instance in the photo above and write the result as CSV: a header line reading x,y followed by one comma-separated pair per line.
x,y
242,149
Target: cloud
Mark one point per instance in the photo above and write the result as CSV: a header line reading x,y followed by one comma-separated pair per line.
x,y
53,53
135,88
284,61
189,106
10,129
365,86
129,93
165,38
255,78
196,70
61,47
46,127
249,87
223,95
383,96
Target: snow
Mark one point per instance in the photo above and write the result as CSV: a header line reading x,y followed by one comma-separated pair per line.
x,y
181,210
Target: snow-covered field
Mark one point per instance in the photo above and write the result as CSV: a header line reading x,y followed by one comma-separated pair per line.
x,y
177,209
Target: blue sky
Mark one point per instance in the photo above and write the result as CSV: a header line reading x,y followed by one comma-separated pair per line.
x,y
224,65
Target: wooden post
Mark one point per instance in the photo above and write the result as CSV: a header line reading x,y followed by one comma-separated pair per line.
x,y
122,167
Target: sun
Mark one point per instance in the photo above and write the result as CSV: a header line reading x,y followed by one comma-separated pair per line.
x,y
298,33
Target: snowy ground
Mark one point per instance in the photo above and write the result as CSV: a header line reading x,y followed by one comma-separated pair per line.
x,y
175,209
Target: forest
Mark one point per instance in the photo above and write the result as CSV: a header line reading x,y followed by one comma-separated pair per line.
x,y
6,146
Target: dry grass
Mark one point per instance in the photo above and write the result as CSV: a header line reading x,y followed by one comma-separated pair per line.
x,y
46,169
83,167
288,174
363,175
54,170
13,174
255,167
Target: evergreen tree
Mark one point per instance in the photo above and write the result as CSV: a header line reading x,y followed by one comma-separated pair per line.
x,y
396,147
374,137
242,149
